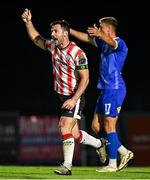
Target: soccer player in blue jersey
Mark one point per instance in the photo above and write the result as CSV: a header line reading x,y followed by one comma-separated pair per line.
x,y
113,53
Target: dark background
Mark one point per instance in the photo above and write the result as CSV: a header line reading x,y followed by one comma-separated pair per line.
x,y
26,81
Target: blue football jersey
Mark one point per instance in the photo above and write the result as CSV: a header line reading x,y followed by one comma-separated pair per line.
x,y
111,64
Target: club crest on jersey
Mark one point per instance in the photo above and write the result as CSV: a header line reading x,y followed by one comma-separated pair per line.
x,y
82,59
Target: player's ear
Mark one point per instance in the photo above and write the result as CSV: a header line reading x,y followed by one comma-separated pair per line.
x,y
109,27
66,33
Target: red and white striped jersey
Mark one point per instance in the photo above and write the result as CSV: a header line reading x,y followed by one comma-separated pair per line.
x,y
66,63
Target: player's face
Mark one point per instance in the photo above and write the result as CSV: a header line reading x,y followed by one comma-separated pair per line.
x,y
57,34
104,27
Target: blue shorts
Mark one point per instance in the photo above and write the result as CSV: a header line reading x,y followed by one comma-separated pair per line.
x,y
110,101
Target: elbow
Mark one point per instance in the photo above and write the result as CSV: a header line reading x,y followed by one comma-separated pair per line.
x,y
87,82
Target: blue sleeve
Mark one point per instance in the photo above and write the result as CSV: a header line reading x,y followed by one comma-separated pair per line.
x,y
99,43
122,45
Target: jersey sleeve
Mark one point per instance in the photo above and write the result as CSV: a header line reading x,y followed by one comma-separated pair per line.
x,y
81,61
120,45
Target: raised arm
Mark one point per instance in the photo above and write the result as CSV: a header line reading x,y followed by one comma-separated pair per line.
x,y
32,32
81,36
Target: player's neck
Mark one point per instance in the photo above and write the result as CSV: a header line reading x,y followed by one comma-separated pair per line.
x,y
65,44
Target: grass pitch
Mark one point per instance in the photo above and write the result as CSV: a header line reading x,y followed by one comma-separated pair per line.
x,y
46,172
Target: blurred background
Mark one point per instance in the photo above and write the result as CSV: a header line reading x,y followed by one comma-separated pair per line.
x,y
28,121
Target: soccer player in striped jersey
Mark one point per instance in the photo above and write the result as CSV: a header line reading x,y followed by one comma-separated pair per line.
x,y
113,53
71,78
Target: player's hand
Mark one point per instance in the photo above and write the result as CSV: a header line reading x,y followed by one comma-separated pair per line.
x,y
26,16
69,104
93,31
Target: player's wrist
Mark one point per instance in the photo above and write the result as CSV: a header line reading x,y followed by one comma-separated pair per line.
x,y
98,35
28,22
74,98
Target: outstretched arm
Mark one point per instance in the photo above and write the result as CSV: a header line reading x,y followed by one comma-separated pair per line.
x,y
32,32
81,36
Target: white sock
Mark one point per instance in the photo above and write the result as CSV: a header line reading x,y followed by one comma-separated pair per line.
x,y
122,150
90,140
113,163
68,149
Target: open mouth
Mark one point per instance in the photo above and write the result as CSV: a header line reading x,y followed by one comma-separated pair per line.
x,y
55,39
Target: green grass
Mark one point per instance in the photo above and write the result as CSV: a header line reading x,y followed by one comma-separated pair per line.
x,y
46,172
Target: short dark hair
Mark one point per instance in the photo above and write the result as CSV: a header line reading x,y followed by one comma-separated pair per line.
x,y
110,20
64,24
